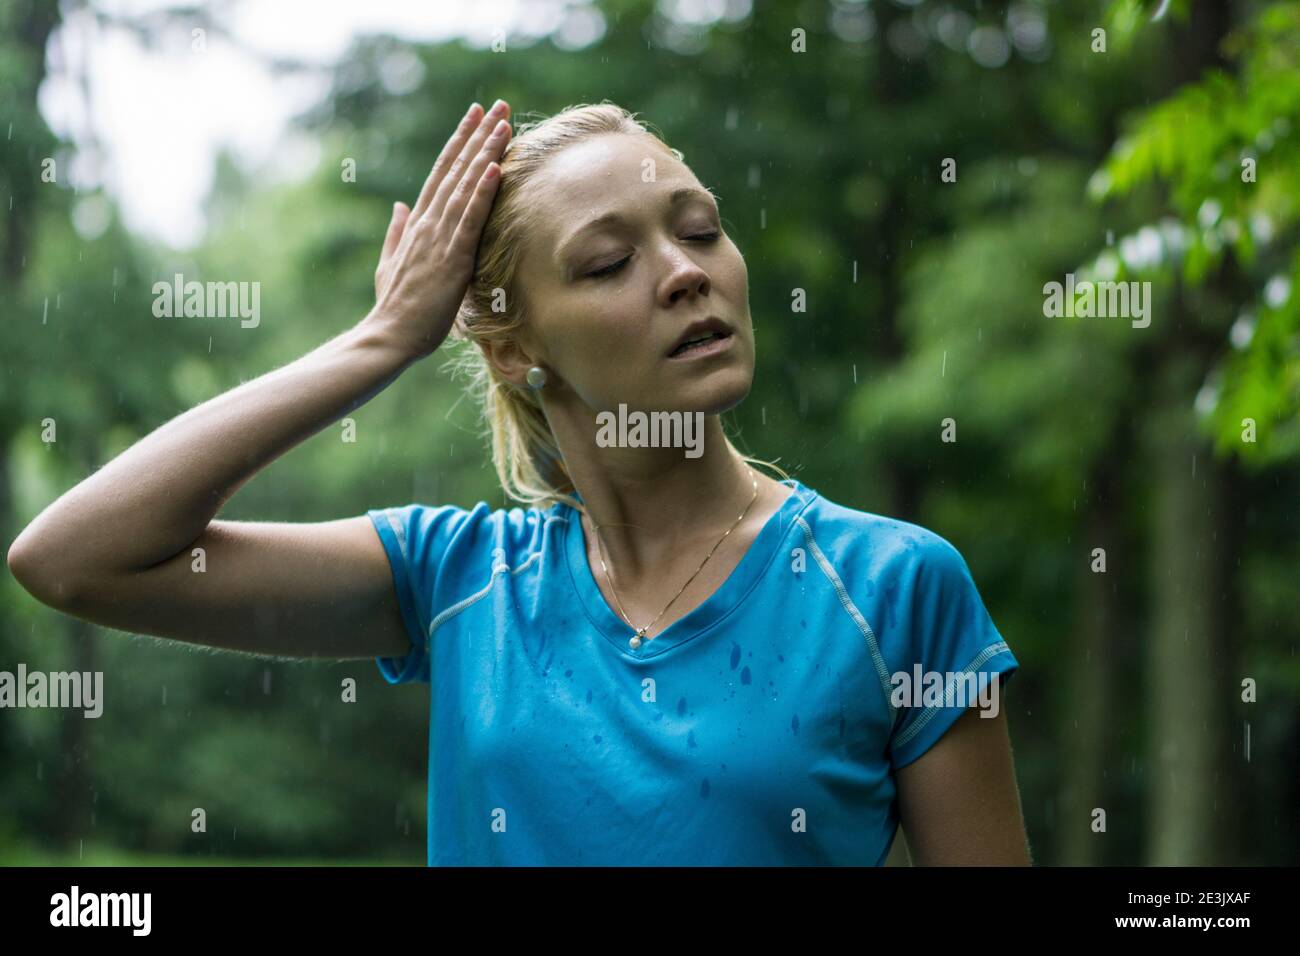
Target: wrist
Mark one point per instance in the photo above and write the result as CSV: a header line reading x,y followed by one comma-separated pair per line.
x,y
386,335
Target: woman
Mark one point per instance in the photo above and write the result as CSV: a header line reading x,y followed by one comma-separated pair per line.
x,y
668,657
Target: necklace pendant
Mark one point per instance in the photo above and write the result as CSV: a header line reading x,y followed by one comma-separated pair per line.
x,y
636,639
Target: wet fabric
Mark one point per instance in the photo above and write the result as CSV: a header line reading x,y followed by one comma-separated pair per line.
x,y
762,728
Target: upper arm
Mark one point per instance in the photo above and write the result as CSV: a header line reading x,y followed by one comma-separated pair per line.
x,y
958,802
949,749
321,589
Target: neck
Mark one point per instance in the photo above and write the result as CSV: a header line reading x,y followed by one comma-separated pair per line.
x,y
651,506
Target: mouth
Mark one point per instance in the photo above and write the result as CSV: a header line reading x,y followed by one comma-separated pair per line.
x,y
702,338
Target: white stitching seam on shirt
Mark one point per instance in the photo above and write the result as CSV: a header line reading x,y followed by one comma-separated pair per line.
x,y
400,533
931,709
872,644
498,565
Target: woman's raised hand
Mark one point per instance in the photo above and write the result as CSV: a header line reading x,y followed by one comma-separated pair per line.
x,y
428,255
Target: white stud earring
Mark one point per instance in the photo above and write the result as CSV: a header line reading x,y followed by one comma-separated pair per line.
x,y
536,377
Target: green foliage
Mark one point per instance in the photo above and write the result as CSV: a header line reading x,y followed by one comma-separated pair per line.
x,y
1227,149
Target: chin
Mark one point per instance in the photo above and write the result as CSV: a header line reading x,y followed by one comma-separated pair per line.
x,y
716,393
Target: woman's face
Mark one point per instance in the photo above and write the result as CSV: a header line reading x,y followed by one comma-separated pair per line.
x,y
606,303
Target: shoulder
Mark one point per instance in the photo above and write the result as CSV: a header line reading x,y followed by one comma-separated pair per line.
x,y
426,533
879,547
911,593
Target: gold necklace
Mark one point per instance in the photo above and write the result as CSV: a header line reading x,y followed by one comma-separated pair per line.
x,y
636,640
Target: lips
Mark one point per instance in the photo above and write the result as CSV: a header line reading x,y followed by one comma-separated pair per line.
x,y
699,332
696,343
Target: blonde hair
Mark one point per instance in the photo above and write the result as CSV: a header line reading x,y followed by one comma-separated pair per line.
x,y
525,454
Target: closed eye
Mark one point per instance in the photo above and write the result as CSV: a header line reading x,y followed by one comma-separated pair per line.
x,y
609,270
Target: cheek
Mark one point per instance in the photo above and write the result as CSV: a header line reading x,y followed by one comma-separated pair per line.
x,y
729,272
599,339
739,268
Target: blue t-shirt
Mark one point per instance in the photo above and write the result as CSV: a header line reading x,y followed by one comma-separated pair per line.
x,y
760,729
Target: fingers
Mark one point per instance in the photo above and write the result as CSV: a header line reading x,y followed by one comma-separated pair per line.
x,y
455,185
392,241
401,213
450,151
470,227
470,184
459,169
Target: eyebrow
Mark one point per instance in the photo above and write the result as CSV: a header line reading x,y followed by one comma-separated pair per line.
x,y
674,198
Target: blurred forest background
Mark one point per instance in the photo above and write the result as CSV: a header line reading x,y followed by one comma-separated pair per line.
x,y
1171,157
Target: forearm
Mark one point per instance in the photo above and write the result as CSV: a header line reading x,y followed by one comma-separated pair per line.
x,y
154,499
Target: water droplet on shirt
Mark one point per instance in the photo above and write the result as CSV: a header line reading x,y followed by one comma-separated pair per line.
x,y
891,598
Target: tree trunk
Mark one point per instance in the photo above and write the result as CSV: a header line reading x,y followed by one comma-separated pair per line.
x,y
74,801
1187,681
73,785
1088,708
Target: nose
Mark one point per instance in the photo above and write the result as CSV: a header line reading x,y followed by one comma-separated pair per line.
x,y
685,277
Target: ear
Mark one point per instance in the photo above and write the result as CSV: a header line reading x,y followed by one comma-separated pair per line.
x,y
510,360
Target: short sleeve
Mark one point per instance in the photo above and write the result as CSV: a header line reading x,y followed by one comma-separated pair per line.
x,y
416,538
955,659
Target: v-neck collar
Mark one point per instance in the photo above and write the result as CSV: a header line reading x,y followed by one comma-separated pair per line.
x,y
718,605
